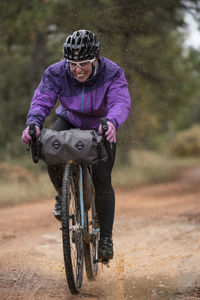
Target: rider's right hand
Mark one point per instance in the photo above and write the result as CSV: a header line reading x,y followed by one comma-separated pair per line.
x,y
110,133
26,138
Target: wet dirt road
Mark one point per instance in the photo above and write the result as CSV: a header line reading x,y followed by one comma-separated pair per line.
x,y
156,240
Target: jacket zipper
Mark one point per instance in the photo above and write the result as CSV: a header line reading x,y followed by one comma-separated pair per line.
x,y
83,106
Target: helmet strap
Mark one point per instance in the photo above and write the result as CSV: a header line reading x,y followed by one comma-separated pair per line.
x,y
94,70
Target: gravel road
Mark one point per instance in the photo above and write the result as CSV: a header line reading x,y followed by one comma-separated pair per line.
x,y
156,243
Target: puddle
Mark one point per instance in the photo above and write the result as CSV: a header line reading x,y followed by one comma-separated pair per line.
x,y
148,288
153,288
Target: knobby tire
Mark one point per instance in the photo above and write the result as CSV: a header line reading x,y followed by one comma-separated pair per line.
x,y
73,245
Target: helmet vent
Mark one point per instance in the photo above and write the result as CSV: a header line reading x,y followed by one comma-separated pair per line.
x,y
85,42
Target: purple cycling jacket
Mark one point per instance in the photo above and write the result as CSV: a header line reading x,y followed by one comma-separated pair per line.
x,y
83,104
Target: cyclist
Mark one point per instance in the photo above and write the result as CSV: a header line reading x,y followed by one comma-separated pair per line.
x,y
89,87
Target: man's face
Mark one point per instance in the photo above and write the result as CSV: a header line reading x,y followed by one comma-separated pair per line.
x,y
82,69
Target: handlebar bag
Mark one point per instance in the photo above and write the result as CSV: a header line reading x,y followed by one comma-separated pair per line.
x,y
83,146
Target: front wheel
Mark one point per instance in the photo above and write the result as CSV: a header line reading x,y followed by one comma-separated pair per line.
x,y
72,231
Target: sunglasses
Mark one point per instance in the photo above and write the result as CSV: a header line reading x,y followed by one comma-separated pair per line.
x,y
82,64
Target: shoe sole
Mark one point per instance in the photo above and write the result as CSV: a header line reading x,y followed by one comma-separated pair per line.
x,y
105,260
103,257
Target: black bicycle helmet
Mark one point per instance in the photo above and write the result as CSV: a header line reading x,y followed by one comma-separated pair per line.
x,y
85,42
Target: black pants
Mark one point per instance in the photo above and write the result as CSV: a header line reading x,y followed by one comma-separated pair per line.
x,y
101,175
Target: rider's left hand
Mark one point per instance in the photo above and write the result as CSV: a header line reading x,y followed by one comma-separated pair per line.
x,y
110,133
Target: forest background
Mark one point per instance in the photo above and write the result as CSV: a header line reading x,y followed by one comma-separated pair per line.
x,y
146,38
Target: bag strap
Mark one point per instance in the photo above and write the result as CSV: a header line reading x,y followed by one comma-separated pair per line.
x,y
99,148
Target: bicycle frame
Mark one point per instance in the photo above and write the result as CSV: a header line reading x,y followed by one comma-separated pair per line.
x,y
79,232
81,197
87,238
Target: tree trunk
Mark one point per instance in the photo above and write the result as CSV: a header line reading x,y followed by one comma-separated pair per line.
x,y
39,54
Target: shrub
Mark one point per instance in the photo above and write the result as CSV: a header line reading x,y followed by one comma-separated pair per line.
x,y
187,142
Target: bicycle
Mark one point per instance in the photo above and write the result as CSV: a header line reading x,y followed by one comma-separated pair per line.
x,y
80,228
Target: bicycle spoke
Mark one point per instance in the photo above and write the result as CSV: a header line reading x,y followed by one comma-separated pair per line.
x,y
72,232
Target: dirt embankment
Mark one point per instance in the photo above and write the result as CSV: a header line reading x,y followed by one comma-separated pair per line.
x,y
156,240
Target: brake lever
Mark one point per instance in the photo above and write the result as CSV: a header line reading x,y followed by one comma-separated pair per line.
x,y
32,133
32,145
109,146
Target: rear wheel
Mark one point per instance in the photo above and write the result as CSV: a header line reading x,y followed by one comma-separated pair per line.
x,y
72,231
91,242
